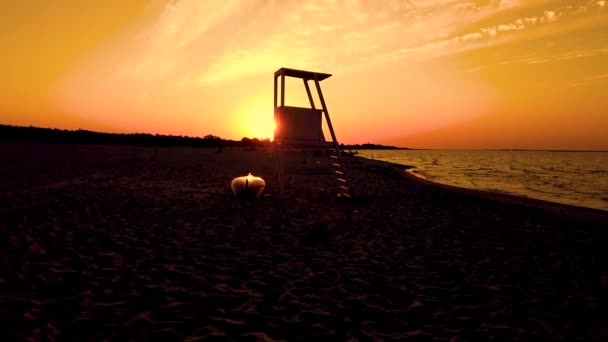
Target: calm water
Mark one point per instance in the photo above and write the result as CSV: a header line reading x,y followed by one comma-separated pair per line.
x,y
577,178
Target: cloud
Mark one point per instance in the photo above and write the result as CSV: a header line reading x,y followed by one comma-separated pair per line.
x,y
489,30
196,42
531,20
509,27
534,58
550,15
367,32
470,36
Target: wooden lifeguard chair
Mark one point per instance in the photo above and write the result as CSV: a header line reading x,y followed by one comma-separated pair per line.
x,y
302,128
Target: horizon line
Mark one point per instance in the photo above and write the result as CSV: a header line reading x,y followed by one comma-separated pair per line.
x,y
367,143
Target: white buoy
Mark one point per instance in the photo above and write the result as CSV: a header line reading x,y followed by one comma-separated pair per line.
x,y
248,186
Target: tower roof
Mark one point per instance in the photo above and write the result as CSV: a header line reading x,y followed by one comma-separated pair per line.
x,y
306,75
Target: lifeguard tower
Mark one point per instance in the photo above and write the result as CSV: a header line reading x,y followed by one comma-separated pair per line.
x,y
298,127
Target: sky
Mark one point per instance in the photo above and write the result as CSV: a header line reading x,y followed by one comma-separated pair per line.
x,y
454,74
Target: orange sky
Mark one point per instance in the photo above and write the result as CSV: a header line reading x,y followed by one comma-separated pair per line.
x,y
417,73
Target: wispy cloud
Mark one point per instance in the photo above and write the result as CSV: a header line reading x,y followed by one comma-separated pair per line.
x,y
310,37
201,42
176,37
207,41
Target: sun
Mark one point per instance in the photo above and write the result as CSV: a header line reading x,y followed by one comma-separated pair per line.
x,y
258,123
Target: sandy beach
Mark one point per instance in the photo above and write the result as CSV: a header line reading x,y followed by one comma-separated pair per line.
x,y
141,243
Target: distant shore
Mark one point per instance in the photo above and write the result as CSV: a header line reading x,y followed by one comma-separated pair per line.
x,y
136,242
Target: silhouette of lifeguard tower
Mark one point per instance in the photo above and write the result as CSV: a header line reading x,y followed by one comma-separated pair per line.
x,y
299,127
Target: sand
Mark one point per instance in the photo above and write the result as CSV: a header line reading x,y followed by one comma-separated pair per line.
x,y
139,243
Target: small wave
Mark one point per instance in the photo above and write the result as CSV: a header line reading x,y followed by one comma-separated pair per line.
x,y
420,174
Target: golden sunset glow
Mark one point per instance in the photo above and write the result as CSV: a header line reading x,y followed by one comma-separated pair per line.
x,y
427,74
257,122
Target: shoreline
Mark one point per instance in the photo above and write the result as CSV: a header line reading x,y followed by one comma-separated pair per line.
x,y
500,197
413,170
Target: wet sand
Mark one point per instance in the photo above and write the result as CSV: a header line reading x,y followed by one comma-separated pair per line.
x,y
118,243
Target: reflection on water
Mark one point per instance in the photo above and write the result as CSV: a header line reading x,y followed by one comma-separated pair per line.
x,y
577,178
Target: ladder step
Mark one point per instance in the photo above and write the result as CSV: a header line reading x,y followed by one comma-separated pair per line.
x,y
338,167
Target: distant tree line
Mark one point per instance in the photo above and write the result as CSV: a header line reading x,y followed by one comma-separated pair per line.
x,y
10,133
369,146
53,135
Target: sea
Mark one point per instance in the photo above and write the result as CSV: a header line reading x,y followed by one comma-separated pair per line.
x,y
575,178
